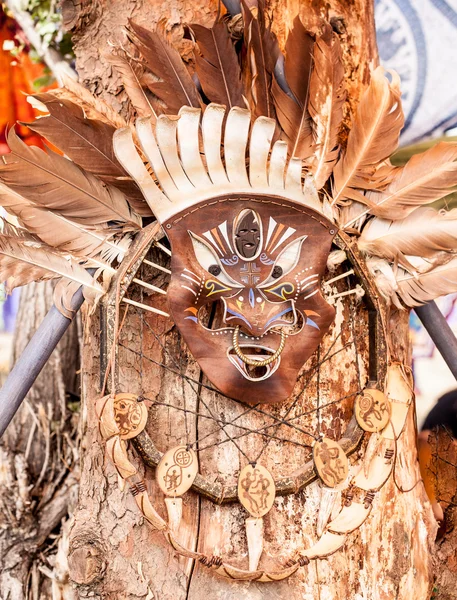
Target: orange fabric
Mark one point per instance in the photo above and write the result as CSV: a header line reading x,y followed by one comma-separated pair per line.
x,y
16,77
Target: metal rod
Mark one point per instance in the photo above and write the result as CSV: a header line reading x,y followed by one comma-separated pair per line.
x,y
442,335
232,6
32,360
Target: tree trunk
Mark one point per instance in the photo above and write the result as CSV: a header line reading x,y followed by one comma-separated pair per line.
x,y
39,465
113,553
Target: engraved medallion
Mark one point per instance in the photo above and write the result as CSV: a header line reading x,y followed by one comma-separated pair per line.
x,y
256,490
330,461
372,410
177,470
130,415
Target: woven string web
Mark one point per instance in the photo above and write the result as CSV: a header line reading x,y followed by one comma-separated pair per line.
x,y
250,428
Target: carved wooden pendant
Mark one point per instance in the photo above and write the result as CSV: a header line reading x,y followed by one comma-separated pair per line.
x,y
177,470
130,415
256,490
372,410
331,462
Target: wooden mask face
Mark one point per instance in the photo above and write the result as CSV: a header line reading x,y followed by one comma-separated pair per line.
x,y
256,263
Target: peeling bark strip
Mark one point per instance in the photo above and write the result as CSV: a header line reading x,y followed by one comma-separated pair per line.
x,y
113,554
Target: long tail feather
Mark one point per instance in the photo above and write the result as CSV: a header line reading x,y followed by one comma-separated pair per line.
x,y
56,183
419,289
425,232
217,67
94,107
60,233
292,109
23,260
131,74
88,143
177,87
262,51
327,96
425,178
373,137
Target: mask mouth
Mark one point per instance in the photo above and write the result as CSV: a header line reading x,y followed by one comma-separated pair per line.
x,y
255,362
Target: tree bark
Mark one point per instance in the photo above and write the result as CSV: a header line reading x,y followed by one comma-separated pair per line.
x,y
113,554
39,465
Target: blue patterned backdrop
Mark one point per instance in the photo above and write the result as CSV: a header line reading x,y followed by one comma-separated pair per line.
x,y
418,38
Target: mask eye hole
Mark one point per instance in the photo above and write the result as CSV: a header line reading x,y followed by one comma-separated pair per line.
x,y
277,272
214,270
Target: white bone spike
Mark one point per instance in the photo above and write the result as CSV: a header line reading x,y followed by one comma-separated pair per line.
x,y
327,503
151,150
342,276
149,286
254,533
278,161
163,248
145,307
156,266
188,136
328,544
166,135
174,511
350,518
235,142
293,175
213,117
259,148
372,450
126,154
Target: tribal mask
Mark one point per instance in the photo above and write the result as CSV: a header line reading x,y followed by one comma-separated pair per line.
x,y
245,291
248,250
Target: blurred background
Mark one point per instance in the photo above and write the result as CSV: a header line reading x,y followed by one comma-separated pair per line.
x,y
415,37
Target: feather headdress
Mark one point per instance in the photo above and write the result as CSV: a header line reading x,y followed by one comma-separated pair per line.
x,y
247,120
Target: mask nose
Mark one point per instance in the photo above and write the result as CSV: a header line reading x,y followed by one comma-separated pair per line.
x,y
256,318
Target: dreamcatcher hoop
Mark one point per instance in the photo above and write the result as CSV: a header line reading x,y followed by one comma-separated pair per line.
x,y
358,495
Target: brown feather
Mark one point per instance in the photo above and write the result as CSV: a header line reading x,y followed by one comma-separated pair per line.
x,y
419,289
262,51
177,88
53,182
424,233
298,62
373,137
88,143
23,260
327,96
58,232
426,177
294,122
292,109
217,67
94,108
131,74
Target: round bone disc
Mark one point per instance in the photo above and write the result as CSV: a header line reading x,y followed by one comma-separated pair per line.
x,y
372,410
256,490
177,470
331,462
130,415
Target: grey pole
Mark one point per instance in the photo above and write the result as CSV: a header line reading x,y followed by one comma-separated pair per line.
x,y
33,359
442,335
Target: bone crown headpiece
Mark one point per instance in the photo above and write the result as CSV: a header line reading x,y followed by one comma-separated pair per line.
x,y
187,178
